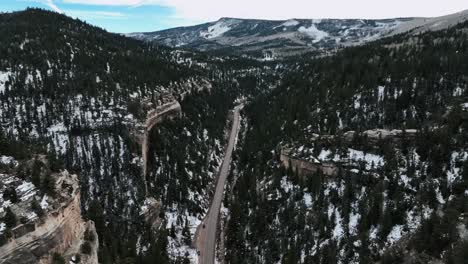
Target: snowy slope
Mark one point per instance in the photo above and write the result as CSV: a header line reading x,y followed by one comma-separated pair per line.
x,y
276,39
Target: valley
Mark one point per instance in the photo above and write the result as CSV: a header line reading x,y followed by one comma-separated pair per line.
x,y
234,141
207,234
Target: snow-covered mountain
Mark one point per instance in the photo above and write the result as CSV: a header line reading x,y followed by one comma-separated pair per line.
x,y
272,39
269,39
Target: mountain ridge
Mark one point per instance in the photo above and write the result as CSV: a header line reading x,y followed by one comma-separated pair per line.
x,y
276,39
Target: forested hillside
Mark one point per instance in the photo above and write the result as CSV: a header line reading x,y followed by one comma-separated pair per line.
x,y
391,200
81,95
359,157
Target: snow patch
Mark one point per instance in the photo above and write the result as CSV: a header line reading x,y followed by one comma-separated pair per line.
x,y
7,160
395,234
217,29
381,93
289,23
307,200
4,76
44,204
286,185
313,32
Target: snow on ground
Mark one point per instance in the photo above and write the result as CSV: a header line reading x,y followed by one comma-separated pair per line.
x,y
357,101
286,185
217,29
395,234
381,93
307,200
462,231
373,233
26,190
4,205
338,230
44,204
353,222
325,154
288,23
458,91
313,32
413,219
464,106
2,227
176,246
358,155
7,160
3,79
176,250
454,172
354,156
31,216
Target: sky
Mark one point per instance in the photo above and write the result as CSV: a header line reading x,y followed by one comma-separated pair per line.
x,y
124,16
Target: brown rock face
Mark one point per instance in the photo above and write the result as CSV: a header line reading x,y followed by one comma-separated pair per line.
x,y
55,233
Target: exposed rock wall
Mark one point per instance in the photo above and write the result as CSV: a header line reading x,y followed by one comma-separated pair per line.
x,y
54,233
372,135
375,135
304,168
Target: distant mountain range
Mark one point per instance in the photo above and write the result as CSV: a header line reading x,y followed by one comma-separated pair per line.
x,y
266,39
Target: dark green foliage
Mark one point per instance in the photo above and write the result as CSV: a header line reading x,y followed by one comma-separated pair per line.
x,y
392,258
86,248
89,236
48,185
11,147
458,254
157,251
36,173
96,213
135,108
10,194
36,207
10,218
57,259
5,236
80,63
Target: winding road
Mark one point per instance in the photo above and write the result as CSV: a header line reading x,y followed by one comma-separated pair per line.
x,y
206,239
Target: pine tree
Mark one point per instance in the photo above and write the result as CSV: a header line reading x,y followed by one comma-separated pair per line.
x,y
36,207
10,218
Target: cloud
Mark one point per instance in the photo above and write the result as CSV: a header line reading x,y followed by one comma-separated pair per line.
x,y
280,9
85,14
108,2
50,4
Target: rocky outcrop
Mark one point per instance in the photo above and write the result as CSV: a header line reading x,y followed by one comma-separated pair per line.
x,y
150,211
306,167
56,232
373,136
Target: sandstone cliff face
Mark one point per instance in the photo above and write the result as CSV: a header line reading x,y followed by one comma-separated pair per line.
x,y
56,232
307,168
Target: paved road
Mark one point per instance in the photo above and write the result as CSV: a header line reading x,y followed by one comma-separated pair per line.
x,y
206,240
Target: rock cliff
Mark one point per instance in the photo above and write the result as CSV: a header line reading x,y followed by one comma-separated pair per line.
x,y
59,232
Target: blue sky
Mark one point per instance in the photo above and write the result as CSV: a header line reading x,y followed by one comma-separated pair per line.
x,y
114,18
125,16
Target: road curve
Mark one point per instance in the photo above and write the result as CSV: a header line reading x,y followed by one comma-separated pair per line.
x,y
206,239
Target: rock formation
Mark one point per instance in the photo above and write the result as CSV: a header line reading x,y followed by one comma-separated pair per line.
x,y
58,231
